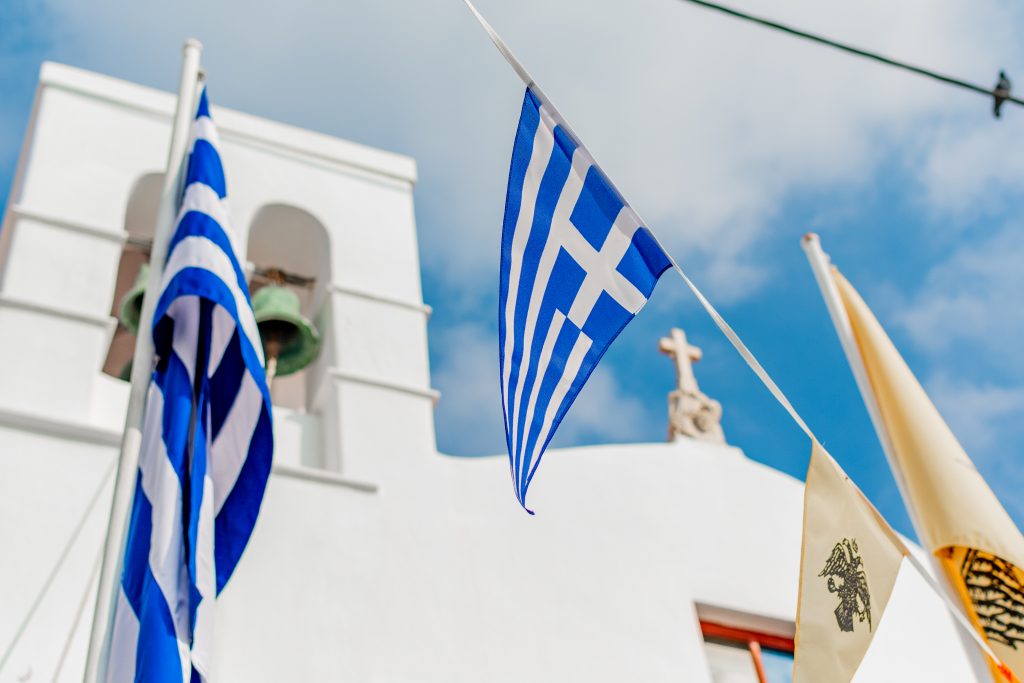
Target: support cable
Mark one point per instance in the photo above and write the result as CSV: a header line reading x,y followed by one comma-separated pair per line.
x,y
55,570
79,611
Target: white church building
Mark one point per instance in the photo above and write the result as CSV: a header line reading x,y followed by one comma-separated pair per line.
x,y
376,558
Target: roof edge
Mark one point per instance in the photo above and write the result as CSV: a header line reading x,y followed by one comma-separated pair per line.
x,y
231,123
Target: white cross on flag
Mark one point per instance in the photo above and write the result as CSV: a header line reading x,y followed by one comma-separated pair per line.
x,y
576,267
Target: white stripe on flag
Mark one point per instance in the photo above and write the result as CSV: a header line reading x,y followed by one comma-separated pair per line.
x,y
563,209
543,145
542,363
221,334
124,642
569,375
203,128
199,252
201,198
206,574
162,487
185,312
230,448
202,650
206,581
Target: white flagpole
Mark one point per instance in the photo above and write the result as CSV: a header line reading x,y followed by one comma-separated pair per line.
x,y
821,264
142,367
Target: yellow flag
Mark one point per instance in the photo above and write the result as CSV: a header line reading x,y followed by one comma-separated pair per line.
x,y
848,566
961,521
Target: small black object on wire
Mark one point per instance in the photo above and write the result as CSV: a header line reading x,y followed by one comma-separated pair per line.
x,y
1000,94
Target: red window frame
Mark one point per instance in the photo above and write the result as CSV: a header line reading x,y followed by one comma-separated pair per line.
x,y
752,639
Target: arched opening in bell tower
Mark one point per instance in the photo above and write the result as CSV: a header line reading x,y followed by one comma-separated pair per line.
x,y
139,222
288,249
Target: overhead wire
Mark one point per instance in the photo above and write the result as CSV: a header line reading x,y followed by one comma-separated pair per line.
x,y
997,93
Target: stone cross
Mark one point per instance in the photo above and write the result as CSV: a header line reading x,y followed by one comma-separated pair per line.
x,y
690,413
684,355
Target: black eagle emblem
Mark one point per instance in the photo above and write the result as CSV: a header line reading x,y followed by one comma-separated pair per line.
x,y
996,591
847,579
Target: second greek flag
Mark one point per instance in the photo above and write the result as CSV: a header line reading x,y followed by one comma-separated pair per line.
x,y
576,267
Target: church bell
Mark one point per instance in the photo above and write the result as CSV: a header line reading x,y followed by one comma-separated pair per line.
x,y
290,341
131,303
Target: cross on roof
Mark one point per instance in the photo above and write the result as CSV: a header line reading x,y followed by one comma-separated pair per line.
x,y
684,355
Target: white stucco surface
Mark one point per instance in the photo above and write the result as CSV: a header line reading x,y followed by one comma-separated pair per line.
x,y
375,558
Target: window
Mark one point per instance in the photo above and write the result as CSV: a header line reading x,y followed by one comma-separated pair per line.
x,y
740,656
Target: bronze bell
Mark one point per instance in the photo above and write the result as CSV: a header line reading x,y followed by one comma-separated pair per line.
x,y
131,302
290,341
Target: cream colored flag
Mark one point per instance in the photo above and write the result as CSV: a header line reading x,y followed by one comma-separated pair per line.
x,y
959,517
848,566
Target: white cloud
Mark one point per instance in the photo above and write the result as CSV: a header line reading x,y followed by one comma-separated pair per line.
x,y
980,415
968,308
986,419
967,320
604,413
469,416
707,124
972,173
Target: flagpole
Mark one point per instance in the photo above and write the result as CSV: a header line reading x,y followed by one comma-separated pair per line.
x,y
142,366
821,265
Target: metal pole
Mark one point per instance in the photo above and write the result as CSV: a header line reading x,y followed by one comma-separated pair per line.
x,y
142,366
821,265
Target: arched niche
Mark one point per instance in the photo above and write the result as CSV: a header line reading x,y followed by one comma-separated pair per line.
x,y
139,223
290,239
143,204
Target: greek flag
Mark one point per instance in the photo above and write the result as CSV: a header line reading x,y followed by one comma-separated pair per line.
x,y
576,267
207,442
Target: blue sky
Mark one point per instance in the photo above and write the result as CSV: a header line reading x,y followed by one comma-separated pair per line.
x,y
732,141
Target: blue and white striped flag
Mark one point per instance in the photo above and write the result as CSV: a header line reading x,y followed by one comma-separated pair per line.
x,y
207,442
576,267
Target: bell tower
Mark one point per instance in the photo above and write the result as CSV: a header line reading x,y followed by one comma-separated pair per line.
x,y
325,226
326,233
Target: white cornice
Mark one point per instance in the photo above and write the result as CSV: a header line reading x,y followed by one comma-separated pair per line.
x,y
65,429
322,477
233,124
21,211
377,298
104,321
423,392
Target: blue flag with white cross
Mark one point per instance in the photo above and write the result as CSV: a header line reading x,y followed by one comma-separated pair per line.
x,y
576,267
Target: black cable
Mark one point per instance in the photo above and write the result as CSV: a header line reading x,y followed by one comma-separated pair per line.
x,y
995,93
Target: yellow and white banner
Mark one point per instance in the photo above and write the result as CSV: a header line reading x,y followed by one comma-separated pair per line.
x,y
848,566
958,517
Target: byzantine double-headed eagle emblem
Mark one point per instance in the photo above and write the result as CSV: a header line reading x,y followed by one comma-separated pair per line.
x,y
997,593
848,580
